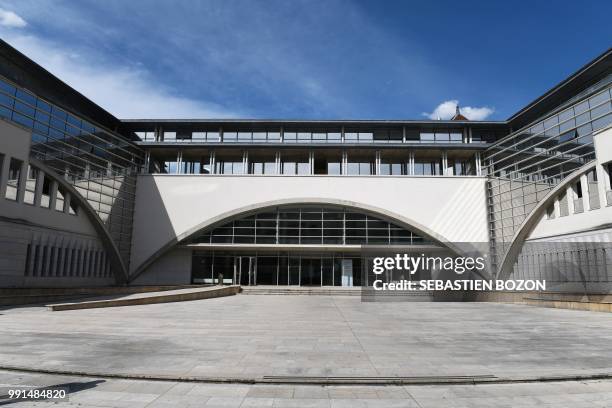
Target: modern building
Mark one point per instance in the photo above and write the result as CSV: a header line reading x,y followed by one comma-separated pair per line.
x,y
88,199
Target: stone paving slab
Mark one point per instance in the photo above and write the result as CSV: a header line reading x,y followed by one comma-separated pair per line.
x,y
252,337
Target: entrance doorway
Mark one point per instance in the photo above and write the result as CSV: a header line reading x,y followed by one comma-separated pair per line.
x,y
245,270
311,272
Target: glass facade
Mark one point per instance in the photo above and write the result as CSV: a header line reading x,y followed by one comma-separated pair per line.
x,y
309,226
397,135
526,165
100,165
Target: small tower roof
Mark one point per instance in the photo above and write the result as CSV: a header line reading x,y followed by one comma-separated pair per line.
x,y
458,115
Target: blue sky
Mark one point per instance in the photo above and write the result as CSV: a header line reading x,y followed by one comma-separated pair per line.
x,y
311,59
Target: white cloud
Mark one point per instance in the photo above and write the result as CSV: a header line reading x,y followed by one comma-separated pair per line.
x,y
447,109
124,92
10,19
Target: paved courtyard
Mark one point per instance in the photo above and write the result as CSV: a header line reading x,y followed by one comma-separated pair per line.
x,y
251,337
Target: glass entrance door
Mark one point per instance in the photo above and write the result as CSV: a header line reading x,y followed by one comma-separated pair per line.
x,y
245,270
311,272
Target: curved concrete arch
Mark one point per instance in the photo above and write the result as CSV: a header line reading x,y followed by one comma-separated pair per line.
x,y
117,266
377,211
532,220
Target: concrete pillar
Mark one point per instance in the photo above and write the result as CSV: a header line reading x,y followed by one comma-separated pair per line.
x,y
40,178
53,195
212,162
23,177
411,164
311,162
179,159
67,198
584,186
377,165
478,161
403,134
445,169
570,199
147,162
4,170
603,184
557,208
245,162
276,162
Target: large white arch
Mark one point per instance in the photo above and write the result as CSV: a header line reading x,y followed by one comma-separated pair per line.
x,y
397,219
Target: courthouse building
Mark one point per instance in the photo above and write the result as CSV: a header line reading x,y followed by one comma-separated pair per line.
x,y
87,199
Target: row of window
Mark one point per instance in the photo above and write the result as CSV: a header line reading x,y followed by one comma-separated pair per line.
x,y
579,200
46,119
35,181
382,136
310,226
324,163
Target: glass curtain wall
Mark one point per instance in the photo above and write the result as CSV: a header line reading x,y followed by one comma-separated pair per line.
x,y
100,165
526,165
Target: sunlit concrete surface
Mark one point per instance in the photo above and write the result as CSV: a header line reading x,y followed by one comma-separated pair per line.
x,y
96,392
256,336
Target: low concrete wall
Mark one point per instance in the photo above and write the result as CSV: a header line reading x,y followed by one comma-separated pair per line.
x,y
25,296
601,302
149,299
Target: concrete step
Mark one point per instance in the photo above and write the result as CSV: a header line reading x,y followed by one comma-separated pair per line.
x,y
301,290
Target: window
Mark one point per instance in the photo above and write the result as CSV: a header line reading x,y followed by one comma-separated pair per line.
x,y
550,212
45,200
462,167
310,225
295,164
334,168
391,168
262,165
146,136
230,136
169,136
354,168
427,168
170,167
12,186
229,165
60,199
427,138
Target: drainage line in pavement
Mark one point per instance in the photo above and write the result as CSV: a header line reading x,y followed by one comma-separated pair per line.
x,y
282,380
